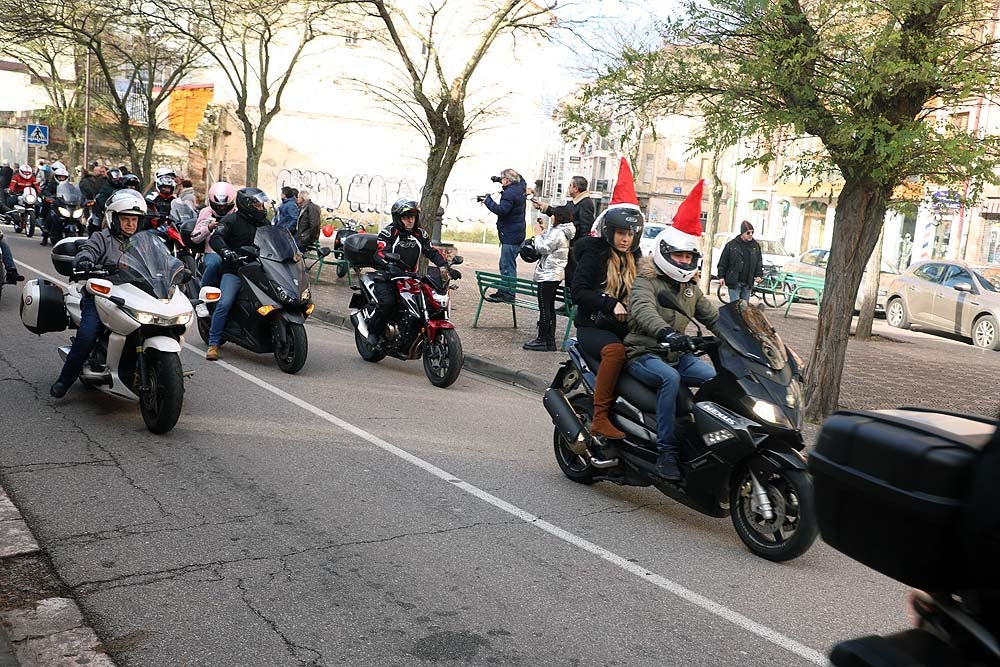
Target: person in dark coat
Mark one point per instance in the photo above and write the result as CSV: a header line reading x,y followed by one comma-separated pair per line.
x,y
741,265
510,227
309,221
6,173
581,207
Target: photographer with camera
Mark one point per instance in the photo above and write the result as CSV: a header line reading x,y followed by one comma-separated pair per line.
x,y
510,226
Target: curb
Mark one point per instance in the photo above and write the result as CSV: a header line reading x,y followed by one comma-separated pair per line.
x,y
473,363
50,632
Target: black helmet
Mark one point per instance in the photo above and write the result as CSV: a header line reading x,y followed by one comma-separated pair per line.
x,y
252,204
625,217
131,181
401,207
528,252
115,178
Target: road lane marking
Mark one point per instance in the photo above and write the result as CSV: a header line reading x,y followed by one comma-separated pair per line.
x,y
657,580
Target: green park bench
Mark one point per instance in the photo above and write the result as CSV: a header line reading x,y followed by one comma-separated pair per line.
x,y
525,296
811,287
315,256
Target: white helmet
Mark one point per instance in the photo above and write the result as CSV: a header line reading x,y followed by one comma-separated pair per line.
x,y
25,170
165,172
60,173
57,165
122,201
672,240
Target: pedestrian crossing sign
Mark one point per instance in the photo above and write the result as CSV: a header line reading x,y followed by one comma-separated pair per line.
x,y
38,135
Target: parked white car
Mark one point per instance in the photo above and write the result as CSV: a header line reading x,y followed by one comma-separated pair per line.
x,y
649,234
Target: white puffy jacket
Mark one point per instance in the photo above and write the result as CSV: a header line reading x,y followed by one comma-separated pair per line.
x,y
553,246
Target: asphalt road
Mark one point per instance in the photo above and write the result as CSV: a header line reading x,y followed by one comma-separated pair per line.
x,y
355,515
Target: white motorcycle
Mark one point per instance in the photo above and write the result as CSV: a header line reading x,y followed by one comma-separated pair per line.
x,y
145,316
24,214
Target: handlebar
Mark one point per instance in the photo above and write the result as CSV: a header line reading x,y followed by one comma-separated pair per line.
x,y
697,344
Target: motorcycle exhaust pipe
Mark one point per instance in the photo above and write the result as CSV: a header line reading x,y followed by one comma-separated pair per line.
x,y
565,420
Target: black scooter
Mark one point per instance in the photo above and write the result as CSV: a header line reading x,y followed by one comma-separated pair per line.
x,y
740,437
274,301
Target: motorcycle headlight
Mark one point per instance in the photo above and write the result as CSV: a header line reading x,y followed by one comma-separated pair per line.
x,y
770,413
142,317
64,212
78,213
793,397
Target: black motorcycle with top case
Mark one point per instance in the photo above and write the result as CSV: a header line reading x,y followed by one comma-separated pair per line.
x,y
274,301
739,435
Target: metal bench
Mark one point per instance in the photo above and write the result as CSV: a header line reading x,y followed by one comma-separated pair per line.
x,y
317,256
797,282
525,296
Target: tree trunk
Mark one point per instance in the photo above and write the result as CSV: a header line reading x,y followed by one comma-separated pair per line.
x,y
440,161
858,224
870,285
712,224
253,162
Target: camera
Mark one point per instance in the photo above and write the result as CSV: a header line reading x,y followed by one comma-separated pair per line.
x,y
481,198
496,179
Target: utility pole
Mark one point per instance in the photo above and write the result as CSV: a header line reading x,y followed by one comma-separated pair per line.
x,y
86,115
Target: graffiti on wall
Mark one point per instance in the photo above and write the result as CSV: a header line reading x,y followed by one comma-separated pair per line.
x,y
375,193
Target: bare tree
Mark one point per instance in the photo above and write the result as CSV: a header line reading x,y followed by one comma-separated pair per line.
x,y
257,44
434,101
138,60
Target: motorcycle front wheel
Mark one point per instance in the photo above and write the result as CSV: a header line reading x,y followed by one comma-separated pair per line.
x,y
31,224
443,358
291,355
574,466
161,403
791,530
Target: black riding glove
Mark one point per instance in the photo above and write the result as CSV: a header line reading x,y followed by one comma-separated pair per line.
x,y
229,256
454,273
83,265
674,340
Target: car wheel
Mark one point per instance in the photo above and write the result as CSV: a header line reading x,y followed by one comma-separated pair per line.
x,y
895,314
985,333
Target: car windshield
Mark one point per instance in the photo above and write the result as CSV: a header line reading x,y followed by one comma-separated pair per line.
x,y
69,193
769,247
147,264
750,333
275,243
650,231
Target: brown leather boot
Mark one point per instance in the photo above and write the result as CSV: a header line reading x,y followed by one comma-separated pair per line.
x,y
213,353
612,360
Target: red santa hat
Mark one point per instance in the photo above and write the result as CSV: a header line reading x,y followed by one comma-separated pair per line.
x,y
624,192
688,216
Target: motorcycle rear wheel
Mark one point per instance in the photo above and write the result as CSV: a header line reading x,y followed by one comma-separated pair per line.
x,y
443,358
575,467
793,529
161,404
291,356
367,352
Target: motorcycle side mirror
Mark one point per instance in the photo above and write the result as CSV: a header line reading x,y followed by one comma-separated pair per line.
x,y
250,250
457,259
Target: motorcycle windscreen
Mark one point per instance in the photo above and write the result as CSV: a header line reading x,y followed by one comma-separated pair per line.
x,y
147,264
275,243
282,260
751,334
182,212
70,194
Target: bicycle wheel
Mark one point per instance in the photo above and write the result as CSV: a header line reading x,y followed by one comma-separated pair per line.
x,y
777,292
723,293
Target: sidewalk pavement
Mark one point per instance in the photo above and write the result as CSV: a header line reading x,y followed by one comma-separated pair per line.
x,y
896,368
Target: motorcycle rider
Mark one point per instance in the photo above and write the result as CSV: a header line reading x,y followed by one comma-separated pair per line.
x,y
114,182
24,178
49,190
676,253
163,194
406,238
235,230
602,282
221,201
103,249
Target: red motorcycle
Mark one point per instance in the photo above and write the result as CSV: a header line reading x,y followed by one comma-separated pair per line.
x,y
419,327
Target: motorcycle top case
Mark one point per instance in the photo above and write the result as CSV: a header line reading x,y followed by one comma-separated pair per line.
x,y
359,249
890,486
42,307
63,254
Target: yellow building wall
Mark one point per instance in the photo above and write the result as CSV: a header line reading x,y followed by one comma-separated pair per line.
x,y
187,107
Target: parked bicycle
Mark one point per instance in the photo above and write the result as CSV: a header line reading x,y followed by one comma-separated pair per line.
x,y
772,289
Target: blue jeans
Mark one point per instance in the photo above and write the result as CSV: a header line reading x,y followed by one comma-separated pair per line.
x,y
230,286
739,292
84,341
213,264
8,259
656,373
508,265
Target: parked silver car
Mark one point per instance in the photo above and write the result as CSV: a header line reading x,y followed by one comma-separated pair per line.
x,y
813,263
948,295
